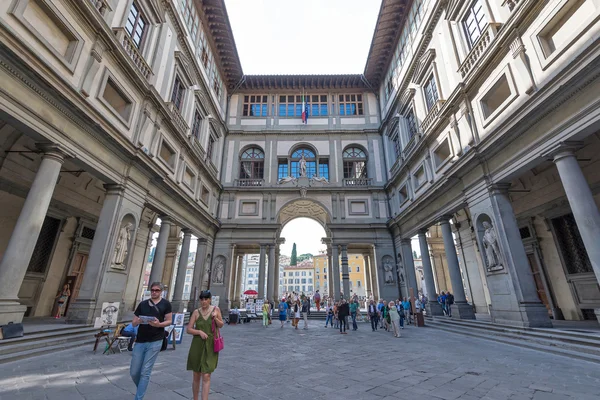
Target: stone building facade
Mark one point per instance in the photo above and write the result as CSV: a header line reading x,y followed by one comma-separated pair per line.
x,y
474,127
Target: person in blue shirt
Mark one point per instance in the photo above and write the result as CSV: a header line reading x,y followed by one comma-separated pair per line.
x,y
130,331
283,307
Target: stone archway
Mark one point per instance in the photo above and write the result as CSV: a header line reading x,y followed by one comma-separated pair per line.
x,y
303,208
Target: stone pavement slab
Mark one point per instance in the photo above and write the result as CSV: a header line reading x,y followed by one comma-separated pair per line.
x,y
274,363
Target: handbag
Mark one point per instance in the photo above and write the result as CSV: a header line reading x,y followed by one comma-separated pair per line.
x,y
218,339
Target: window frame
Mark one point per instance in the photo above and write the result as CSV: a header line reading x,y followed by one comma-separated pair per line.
x,y
354,159
257,163
480,29
432,84
140,16
345,100
178,93
260,100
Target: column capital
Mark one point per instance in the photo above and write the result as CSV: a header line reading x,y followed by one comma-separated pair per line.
x,y
444,219
562,149
499,188
201,240
114,188
186,232
165,219
326,240
54,151
280,241
406,241
423,232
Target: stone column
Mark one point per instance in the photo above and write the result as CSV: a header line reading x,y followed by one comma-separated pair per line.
x,y
582,205
409,266
178,304
276,288
368,287
330,284
460,309
261,271
84,309
374,273
199,264
271,273
345,272
240,278
26,232
234,277
433,307
335,271
158,263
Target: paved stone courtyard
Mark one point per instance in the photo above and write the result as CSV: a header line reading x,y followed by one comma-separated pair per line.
x,y
276,363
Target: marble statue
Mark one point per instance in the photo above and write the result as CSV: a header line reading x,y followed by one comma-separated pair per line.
x,y
219,271
321,179
302,166
490,242
122,245
286,180
388,268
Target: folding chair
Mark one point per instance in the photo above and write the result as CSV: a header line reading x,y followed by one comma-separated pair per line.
x,y
116,338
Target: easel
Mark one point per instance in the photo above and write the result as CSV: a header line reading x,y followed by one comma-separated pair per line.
x,y
172,336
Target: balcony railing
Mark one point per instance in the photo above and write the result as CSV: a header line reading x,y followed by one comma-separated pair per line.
x,y
357,181
100,5
178,119
133,52
249,182
480,47
432,116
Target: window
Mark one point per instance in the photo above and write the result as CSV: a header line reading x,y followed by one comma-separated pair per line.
x,y
431,93
290,106
324,169
255,106
358,283
282,169
252,164
311,163
403,194
441,154
196,127
250,282
495,97
303,273
325,277
351,104
317,270
395,138
210,147
318,105
167,154
296,273
297,280
355,163
189,177
303,280
178,93
474,22
42,251
357,269
136,25
411,123
204,195
188,278
117,100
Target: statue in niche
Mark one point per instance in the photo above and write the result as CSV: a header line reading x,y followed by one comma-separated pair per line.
x,y
490,242
122,246
219,271
206,272
388,267
302,166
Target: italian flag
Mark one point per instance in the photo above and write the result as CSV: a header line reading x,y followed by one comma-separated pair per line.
x,y
304,110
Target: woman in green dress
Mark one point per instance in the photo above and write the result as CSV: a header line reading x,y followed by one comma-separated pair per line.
x,y
202,358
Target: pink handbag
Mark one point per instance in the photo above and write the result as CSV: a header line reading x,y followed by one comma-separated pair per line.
x,y
218,339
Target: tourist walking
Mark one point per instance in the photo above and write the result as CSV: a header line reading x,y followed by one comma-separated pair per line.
x,y
394,319
380,313
266,309
343,312
449,302
297,308
202,359
406,308
305,311
442,301
62,299
283,309
151,332
317,299
329,310
353,310
372,313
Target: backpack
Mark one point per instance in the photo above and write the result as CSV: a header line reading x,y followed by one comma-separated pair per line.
x,y
450,299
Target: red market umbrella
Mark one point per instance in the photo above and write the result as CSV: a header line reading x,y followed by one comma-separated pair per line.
x,y
251,292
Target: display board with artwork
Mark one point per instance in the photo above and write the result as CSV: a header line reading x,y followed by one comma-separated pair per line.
x,y
109,314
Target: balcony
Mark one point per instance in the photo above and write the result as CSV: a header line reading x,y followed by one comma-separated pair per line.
x,y
249,182
101,5
357,181
511,4
133,52
178,119
491,31
432,116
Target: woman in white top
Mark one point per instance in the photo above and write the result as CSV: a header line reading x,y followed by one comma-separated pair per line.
x,y
297,310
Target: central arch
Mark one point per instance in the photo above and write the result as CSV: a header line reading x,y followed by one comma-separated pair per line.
x,y
304,208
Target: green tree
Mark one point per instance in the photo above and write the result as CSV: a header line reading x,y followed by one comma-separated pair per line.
x,y
294,257
306,256
415,255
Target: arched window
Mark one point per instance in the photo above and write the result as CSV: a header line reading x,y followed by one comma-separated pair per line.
x,y
355,163
252,164
311,162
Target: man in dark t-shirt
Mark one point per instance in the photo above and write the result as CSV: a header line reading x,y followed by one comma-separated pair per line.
x,y
152,316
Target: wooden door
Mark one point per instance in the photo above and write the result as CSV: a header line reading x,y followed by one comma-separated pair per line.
x,y
77,270
539,281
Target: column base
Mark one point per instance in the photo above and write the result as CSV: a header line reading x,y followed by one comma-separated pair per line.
x,y
83,312
533,315
177,306
11,311
462,311
434,309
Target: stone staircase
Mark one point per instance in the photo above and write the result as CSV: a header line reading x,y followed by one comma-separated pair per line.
x,y
578,344
47,341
